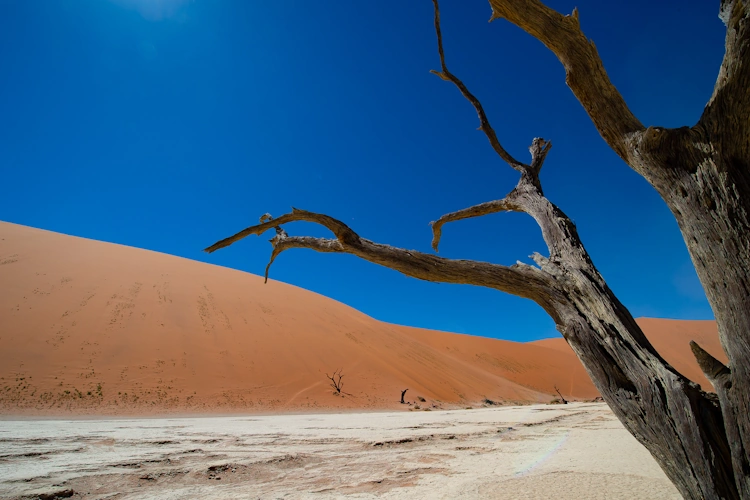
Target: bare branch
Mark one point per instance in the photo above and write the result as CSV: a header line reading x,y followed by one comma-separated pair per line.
x,y
712,368
559,232
318,244
526,197
521,280
529,183
585,74
538,149
484,123
486,208
341,230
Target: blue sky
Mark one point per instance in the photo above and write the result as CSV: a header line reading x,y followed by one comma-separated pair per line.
x,y
170,124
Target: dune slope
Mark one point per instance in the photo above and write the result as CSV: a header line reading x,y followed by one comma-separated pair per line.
x,y
90,327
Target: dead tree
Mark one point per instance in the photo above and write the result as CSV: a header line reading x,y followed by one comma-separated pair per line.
x,y
701,440
403,393
562,398
335,379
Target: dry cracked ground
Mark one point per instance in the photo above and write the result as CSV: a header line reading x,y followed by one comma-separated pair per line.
x,y
576,451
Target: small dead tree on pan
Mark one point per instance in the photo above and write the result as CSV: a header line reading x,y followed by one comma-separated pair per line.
x,y
564,401
335,379
403,393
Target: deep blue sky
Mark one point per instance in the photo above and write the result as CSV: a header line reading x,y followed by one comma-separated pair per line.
x,y
170,124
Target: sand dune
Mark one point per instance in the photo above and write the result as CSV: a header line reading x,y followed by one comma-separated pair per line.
x,y
671,338
96,328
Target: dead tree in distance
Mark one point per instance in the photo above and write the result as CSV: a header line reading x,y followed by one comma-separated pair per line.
x,y
562,398
701,440
336,381
403,393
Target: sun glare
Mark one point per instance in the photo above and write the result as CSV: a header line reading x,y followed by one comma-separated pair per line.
x,y
154,10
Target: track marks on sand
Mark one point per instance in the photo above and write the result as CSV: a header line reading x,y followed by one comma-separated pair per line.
x,y
121,306
9,259
211,316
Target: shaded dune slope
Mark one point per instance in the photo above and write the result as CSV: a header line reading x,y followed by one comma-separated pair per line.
x,y
90,327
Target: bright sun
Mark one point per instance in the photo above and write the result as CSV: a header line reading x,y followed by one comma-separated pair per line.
x,y
154,10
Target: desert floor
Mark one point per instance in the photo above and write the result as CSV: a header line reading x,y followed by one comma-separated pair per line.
x,y
579,451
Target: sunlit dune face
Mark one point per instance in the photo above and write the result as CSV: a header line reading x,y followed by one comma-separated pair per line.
x,y
154,10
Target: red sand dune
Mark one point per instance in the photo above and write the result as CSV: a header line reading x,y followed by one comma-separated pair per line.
x,y
88,327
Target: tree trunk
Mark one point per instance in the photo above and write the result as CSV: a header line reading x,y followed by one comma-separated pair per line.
x,y
671,416
709,195
702,173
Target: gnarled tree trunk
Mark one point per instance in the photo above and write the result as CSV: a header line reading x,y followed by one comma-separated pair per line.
x,y
707,188
701,172
701,440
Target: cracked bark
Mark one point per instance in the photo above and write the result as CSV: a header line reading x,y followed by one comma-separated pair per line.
x,y
701,440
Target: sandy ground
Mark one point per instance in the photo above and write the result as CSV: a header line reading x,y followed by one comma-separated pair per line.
x,y
579,451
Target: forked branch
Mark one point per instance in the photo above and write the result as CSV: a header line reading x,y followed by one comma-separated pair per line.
x,y
526,197
529,183
484,122
522,280
341,230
